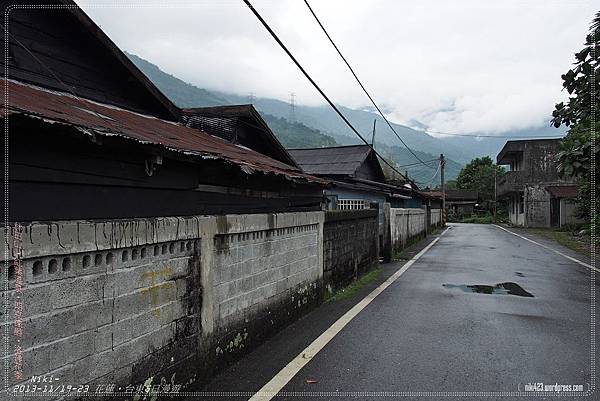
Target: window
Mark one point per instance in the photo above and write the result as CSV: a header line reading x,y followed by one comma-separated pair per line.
x,y
353,204
517,164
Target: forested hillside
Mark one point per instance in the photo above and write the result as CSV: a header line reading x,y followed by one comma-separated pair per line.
x,y
315,126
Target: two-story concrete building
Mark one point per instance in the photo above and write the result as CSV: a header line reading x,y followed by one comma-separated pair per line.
x,y
537,196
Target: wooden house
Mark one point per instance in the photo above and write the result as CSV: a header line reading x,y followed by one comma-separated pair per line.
x,y
91,137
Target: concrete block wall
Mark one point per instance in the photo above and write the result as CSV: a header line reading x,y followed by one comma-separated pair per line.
x,y
102,301
406,225
125,300
350,247
267,271
436,217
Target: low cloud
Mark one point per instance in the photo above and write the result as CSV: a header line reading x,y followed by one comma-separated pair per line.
x,y
461,66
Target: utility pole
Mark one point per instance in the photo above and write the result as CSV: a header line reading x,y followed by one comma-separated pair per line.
x,y
495,191
373,137
442,165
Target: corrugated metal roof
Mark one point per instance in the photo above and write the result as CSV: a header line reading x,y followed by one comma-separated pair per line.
x,y
373,186
339,160
89,116
222,120
432,194
232,110
563,191
454,194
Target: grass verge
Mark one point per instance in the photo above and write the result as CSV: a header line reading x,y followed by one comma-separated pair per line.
x,y
576,243
350,290
404,253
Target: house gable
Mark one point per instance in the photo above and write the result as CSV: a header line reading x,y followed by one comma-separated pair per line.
x,y
64,50
355,161
239,124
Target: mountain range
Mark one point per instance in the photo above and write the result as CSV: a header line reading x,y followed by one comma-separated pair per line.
x,y
318,126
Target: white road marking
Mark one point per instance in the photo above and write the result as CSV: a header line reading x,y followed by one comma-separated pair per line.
x,y
270,390
550,249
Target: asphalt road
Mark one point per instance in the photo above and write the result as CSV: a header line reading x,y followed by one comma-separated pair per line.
x,y
445,329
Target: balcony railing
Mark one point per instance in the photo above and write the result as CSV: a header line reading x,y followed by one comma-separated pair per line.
x,y
511,181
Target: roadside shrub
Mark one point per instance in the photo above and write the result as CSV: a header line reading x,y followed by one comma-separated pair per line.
x,y
575,228
479,220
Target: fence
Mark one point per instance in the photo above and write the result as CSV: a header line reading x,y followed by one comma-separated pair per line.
x,y
125,300
122,301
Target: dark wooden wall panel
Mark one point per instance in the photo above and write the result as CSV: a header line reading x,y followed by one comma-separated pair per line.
x,y
56,173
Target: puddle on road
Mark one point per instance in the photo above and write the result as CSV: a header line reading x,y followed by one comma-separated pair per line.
x,y
498,289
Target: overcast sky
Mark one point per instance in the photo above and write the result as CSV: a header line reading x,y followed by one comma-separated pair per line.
x,y
456,66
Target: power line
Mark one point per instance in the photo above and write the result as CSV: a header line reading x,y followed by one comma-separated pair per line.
x,y
418,164
362,86
316,86
426,183
495,136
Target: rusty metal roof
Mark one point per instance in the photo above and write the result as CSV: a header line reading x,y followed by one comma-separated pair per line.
x,y
92,117
453,194
221,121
563,191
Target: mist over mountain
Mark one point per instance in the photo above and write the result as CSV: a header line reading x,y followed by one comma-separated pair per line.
x,y
483,146
317,126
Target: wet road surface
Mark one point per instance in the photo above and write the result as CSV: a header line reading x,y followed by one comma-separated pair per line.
x,y
481,315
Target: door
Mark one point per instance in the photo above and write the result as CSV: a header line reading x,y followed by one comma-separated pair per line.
x,y
554,212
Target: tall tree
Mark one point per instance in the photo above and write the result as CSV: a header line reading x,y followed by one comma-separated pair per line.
x,y
478,176
581,113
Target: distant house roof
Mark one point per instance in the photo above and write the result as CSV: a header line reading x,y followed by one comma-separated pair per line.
x,y
454,195
241,124
337,161
93,118
563,191
431,194
462,194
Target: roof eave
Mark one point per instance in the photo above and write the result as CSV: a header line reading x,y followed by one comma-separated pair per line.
x,y
172,111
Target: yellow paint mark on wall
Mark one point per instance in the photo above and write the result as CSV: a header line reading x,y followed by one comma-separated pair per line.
x,y
154,288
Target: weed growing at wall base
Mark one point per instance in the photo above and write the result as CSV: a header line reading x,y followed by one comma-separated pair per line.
x,y
350,290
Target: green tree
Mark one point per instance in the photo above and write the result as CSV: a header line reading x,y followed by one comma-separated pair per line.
x,y
478,176
578,82
578,148
450,184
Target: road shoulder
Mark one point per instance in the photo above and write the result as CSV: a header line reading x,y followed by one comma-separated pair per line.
x,y
547,242
249,374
